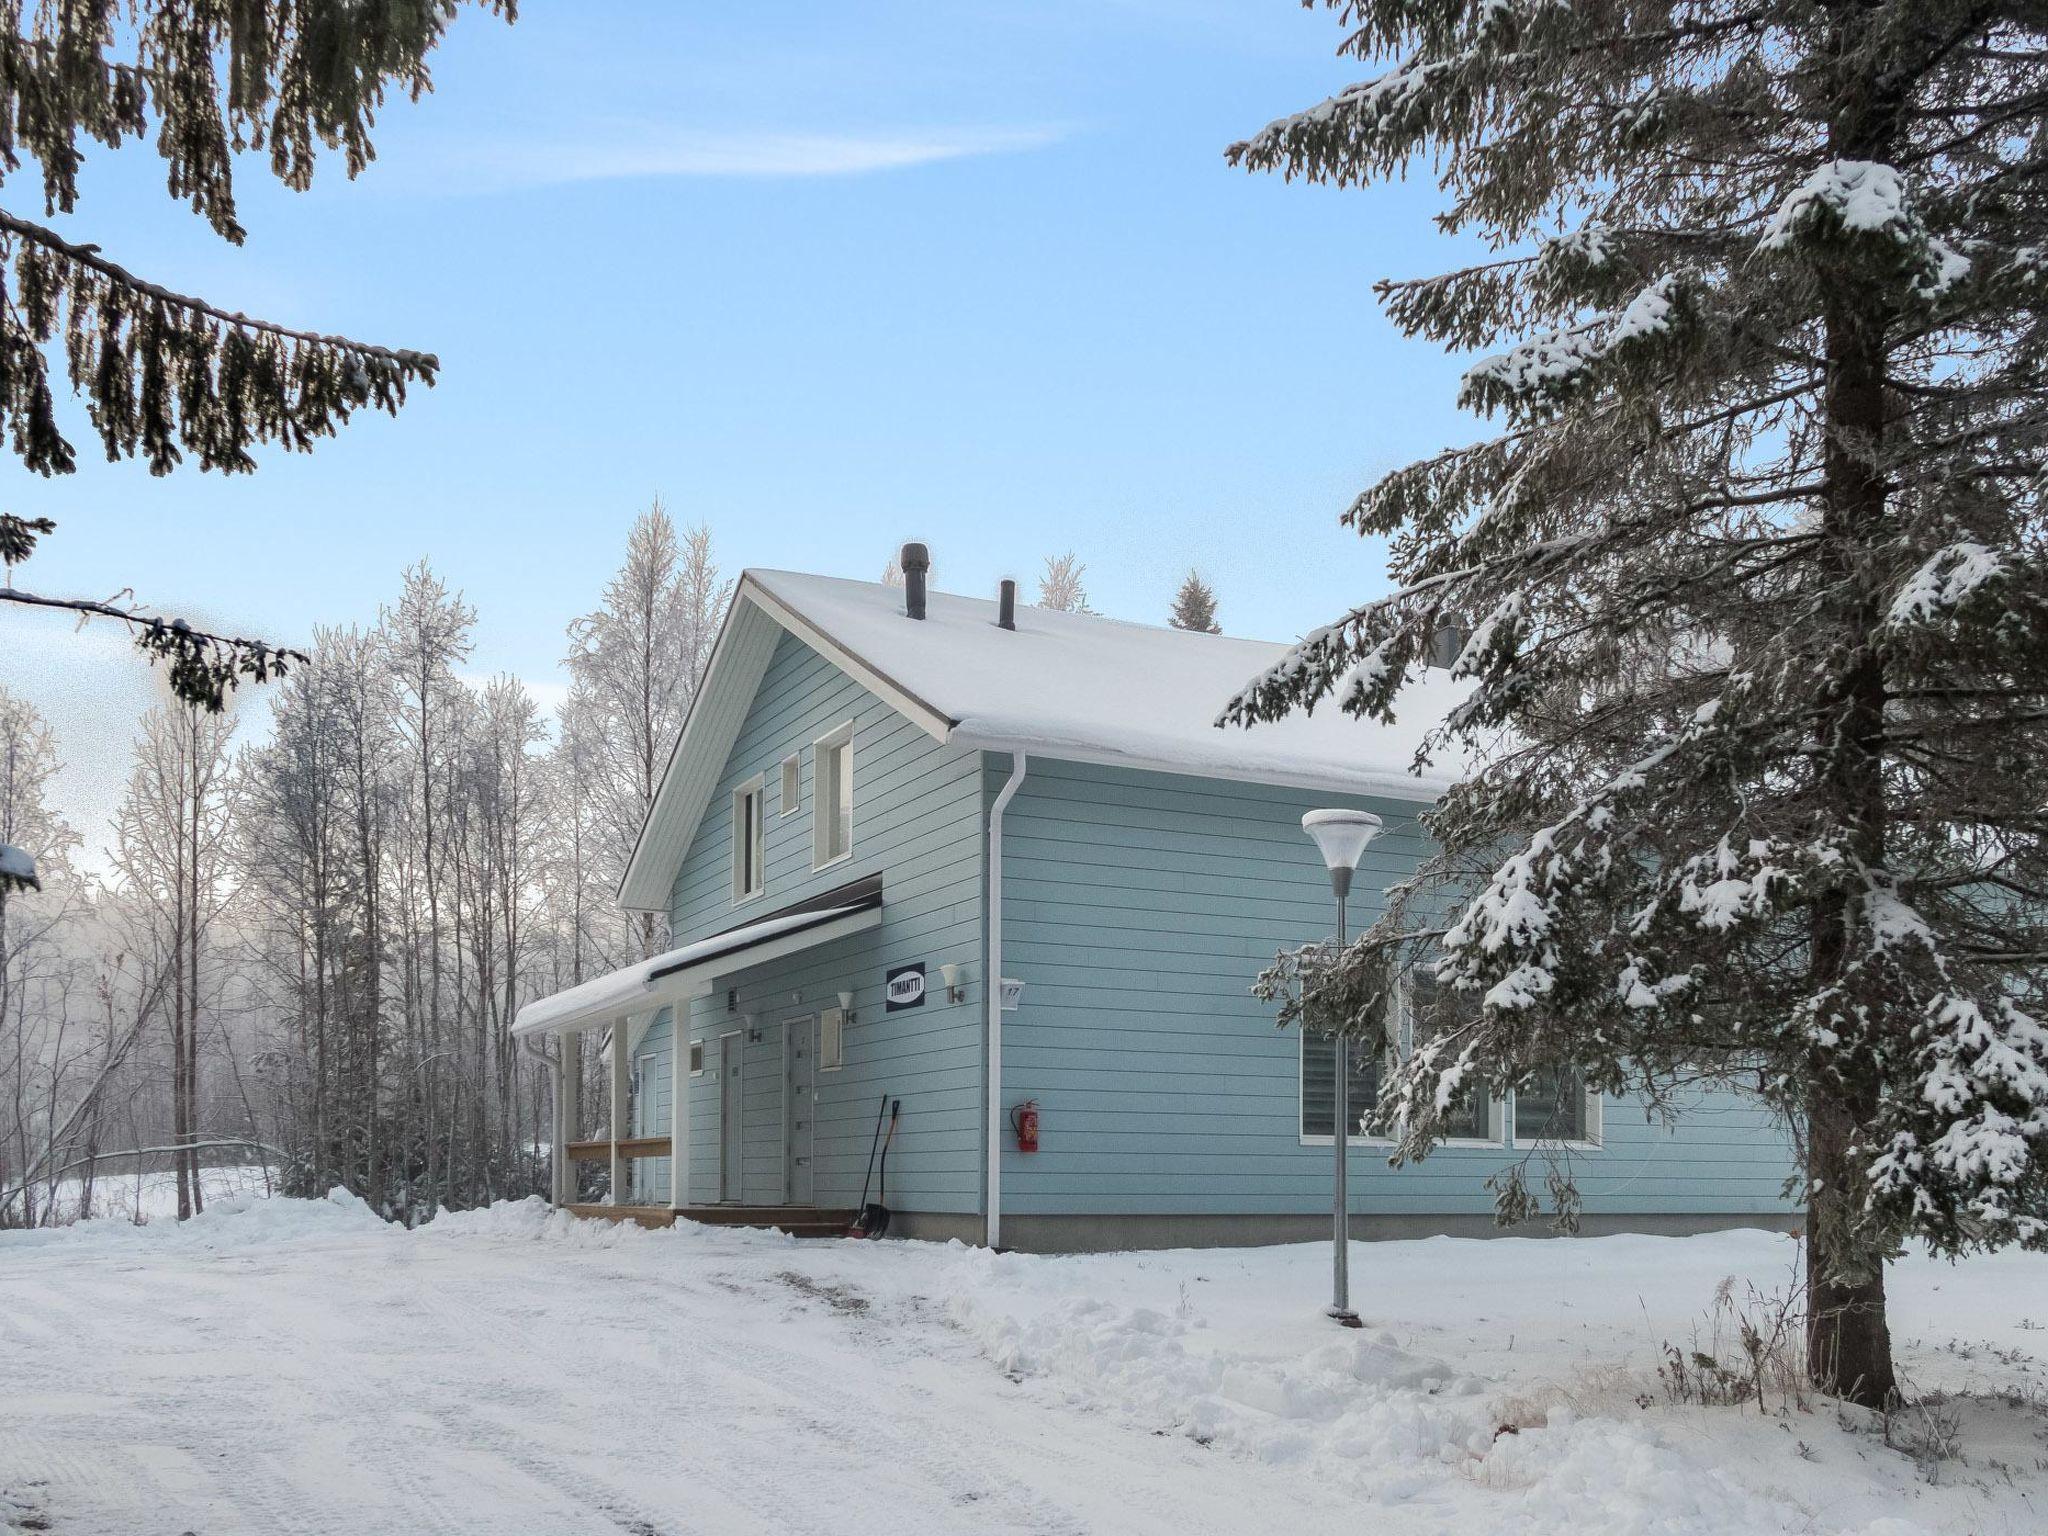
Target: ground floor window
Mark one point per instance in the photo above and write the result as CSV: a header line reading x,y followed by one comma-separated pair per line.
x,y
1319,1086
1557,1107
1476,1114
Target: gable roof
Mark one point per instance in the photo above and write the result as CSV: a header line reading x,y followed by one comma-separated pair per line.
x,y
1067,685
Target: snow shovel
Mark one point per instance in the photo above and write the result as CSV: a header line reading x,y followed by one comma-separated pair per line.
x,y
873,1219
867,1180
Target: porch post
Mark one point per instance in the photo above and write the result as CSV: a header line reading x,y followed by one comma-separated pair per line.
x,y
569,1114
679,1104
618,1115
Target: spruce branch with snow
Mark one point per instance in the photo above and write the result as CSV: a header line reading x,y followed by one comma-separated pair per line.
x,y
1758,564
1194,606
168,374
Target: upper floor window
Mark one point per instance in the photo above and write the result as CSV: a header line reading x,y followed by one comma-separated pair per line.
x,y
792,786
749,878
832,796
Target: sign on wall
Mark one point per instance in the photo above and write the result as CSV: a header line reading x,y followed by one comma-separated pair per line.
x,y
905,988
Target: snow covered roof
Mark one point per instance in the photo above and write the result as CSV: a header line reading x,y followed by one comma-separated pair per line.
x,y
650,984
1064,685
1077,685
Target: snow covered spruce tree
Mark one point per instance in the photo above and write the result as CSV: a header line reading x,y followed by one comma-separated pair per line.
x,y
167,374
1194,606
1756,579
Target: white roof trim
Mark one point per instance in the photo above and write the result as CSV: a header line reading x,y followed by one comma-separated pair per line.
x,y
1424,789
688,972
935,723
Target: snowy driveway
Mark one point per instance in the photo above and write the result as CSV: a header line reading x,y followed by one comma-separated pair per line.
x,y
373,1381
297,1367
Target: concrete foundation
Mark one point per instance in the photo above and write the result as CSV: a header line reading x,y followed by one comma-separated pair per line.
x,y
1110,1234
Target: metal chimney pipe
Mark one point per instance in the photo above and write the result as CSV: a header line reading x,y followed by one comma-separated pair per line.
x,y
916,561
1006,604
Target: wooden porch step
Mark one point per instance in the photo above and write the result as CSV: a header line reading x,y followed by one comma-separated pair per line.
x,y
641,1215
797,1220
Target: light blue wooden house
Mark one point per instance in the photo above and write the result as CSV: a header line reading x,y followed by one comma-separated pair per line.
x,y
948,853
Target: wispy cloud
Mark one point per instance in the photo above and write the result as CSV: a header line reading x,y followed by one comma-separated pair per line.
x,y
664,150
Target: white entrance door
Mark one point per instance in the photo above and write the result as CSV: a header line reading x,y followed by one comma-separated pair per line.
x,y
799,1104
729,1050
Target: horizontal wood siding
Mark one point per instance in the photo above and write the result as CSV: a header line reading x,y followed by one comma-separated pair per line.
x,y
1138,908
916,819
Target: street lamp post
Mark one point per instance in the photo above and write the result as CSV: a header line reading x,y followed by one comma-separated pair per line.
x,y
1341,836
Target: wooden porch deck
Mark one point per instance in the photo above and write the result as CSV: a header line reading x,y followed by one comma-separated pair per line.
x,y
796,1220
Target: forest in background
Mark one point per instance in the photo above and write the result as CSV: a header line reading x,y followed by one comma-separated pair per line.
x,y
306,951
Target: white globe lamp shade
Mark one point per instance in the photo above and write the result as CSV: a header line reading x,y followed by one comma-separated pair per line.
x,y
1341,835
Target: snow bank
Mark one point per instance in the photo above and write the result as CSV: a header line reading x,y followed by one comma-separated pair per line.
x,y
238,1221
1362,1409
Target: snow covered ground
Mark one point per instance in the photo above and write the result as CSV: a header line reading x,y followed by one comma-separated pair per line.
x,y
298,1366
151,1195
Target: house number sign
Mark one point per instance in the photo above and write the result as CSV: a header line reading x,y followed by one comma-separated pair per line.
x,y
905,988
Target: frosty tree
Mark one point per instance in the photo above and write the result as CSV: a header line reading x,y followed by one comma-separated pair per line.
x,y
634,664
1194,606
1756,585
1060,588
167,374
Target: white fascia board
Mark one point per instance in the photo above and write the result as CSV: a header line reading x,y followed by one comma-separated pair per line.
x,y
739,660
1423,791
934,722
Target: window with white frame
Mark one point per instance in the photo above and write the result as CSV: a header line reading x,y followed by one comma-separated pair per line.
x,y
1319,1083
832,796
1364,1064
748,877
792,786
1557,1106
831,1040
696,1058
1476,1114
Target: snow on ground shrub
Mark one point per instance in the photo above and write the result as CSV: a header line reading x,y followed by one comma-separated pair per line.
x,y
236,1221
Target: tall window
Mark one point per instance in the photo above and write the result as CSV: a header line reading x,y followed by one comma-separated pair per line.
x,y
1475,1116
792,786
832,797
748,877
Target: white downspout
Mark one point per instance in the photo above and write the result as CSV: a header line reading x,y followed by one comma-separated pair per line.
x,y
992,986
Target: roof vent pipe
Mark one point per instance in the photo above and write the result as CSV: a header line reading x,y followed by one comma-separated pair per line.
x,y
1006,604
916,561
1447,644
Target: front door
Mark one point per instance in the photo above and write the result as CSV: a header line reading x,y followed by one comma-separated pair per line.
x,y
799,1104
729,1049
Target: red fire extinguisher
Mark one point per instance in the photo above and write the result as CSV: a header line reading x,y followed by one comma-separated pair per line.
x,y
1024,1121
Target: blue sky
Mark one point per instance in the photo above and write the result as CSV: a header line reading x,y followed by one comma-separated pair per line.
x,y
825,278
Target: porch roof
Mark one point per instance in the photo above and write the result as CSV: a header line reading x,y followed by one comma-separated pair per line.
x,y
689,971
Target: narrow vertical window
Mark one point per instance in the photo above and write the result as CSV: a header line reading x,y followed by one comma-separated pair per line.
x,y
748,876
1475,1115
1366,1062
832,796
792,786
